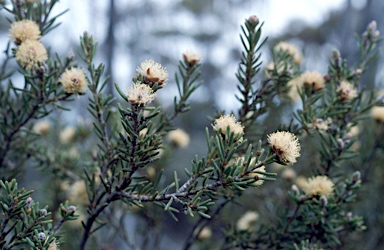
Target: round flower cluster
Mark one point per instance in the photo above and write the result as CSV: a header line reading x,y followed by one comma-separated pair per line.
x,y
30,51
152,72
225,121
192,57
291,49
285,145
314,79
247,220
318,186
346,91
140,94
377,113
179,138
74,81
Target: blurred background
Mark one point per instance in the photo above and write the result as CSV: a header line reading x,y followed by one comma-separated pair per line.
x,y
129,32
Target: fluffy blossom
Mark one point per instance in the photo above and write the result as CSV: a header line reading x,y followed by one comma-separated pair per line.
x,y
291,49
280,69
31,52
24,30
67,135
42,127
295,84
225,121
152,72
178,137
247,220
140,94
314,79
377,113
191,57
74,81
285,145
319,185
346,91
205,233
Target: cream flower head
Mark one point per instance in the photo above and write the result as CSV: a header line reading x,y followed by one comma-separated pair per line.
x,y
67,135
205,233
24,30
178,137
42,127
140,94
225,121
291,49
314,79
280,69
153,72
346,91
191,57
319,185
74,81
247,220
295,85
31,52
377,113
285,145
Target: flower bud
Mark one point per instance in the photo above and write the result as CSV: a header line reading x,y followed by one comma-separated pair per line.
x,y
71,209
41,236
323,201
356,176
43,212
253,19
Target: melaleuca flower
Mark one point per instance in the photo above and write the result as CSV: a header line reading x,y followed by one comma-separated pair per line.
x,y
317,186
247,220
346,91
320,124
140,94
178,137
377,113
285,145
225,121
31,52
291,49
205,233
53,245
280,69
295,85
42,127
314,79
67,135
74,81
24,30
240,161
152,72
191,57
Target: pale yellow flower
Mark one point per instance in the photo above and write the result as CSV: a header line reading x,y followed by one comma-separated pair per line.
x,y
191,57
205,233
77,193
74,81
23,30
291,49
346,91
295,85
140,94
42,127
225,121
280,69
152,72
314,79
258,175
285,145
247,220
377,113
31,52
178,137
53,245
320,124
288,174
317,186
301,181
67,135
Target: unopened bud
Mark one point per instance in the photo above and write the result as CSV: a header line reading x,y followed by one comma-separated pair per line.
x,y
358,72
356,176
372,26
323,201
71,209
336,55
349,216
341,143
41,236
43,212
253,19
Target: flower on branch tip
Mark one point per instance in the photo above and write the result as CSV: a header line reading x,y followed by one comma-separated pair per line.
x,y
24,30
281,69
178,137
31,52
346,91
229,120
205,233
42,127
318,186
74,81
313,79
140,94
295,85
377,113
152,72
247,220
191,57
291,49
285,145
67,135
254,20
